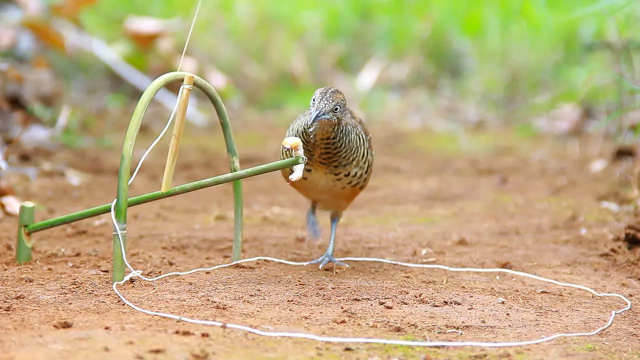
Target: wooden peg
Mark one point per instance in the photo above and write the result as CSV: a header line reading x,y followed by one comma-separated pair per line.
x,y
178,126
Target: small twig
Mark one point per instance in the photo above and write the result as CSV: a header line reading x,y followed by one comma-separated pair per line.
x,y
178,127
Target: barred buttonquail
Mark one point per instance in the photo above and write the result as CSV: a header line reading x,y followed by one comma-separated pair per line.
x,y
339,160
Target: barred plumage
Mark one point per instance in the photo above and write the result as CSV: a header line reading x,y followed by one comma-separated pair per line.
x,y
339,158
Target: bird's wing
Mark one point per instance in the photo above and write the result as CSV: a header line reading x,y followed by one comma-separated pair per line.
x,y
296,129
357,121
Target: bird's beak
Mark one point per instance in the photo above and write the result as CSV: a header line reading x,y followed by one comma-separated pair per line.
x,y
318,115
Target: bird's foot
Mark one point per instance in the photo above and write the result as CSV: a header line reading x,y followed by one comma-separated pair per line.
x,y
326,259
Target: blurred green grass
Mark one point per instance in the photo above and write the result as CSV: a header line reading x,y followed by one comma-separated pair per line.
x,y
514,58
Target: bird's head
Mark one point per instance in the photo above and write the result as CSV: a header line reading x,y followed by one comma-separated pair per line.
x,y
328,104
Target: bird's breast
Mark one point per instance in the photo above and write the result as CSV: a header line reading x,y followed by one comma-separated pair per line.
x,y
339,161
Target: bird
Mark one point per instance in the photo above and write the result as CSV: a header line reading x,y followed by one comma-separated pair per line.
x,y
339,164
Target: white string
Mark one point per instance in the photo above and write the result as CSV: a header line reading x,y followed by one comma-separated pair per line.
x,y
336,339
138,274
186,43
173,114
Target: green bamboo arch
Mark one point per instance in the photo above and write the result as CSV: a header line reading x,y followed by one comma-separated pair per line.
x,y
127,152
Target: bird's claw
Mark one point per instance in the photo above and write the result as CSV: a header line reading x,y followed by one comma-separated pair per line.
x,y
326,259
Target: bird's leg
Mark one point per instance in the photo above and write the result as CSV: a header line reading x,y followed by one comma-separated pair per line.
x,y
312,224
328,256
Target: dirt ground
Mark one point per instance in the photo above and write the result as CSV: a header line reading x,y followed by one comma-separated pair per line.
x,y
488,200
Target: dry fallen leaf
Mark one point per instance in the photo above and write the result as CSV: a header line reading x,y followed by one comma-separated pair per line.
x,y
6,188
13,74
31,7
70,9
609,205
567,119
46,33
144,30
598,165
8,37
369,74
216,78
189,64
74,177
11,204
63,324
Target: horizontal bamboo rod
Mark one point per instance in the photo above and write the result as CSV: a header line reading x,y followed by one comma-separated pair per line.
x,y
157,195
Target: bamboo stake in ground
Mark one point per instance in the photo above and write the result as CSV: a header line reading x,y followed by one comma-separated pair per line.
x,y
26,217
178,126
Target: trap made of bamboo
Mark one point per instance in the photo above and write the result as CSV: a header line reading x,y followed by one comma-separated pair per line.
x,y
27,226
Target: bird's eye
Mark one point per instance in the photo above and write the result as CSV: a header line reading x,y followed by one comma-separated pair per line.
x,y
313,100
337,108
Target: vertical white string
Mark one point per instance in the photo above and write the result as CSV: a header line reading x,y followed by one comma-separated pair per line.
x,y
186,43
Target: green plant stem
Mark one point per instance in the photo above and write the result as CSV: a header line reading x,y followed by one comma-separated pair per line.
x,y
23,247
158,195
